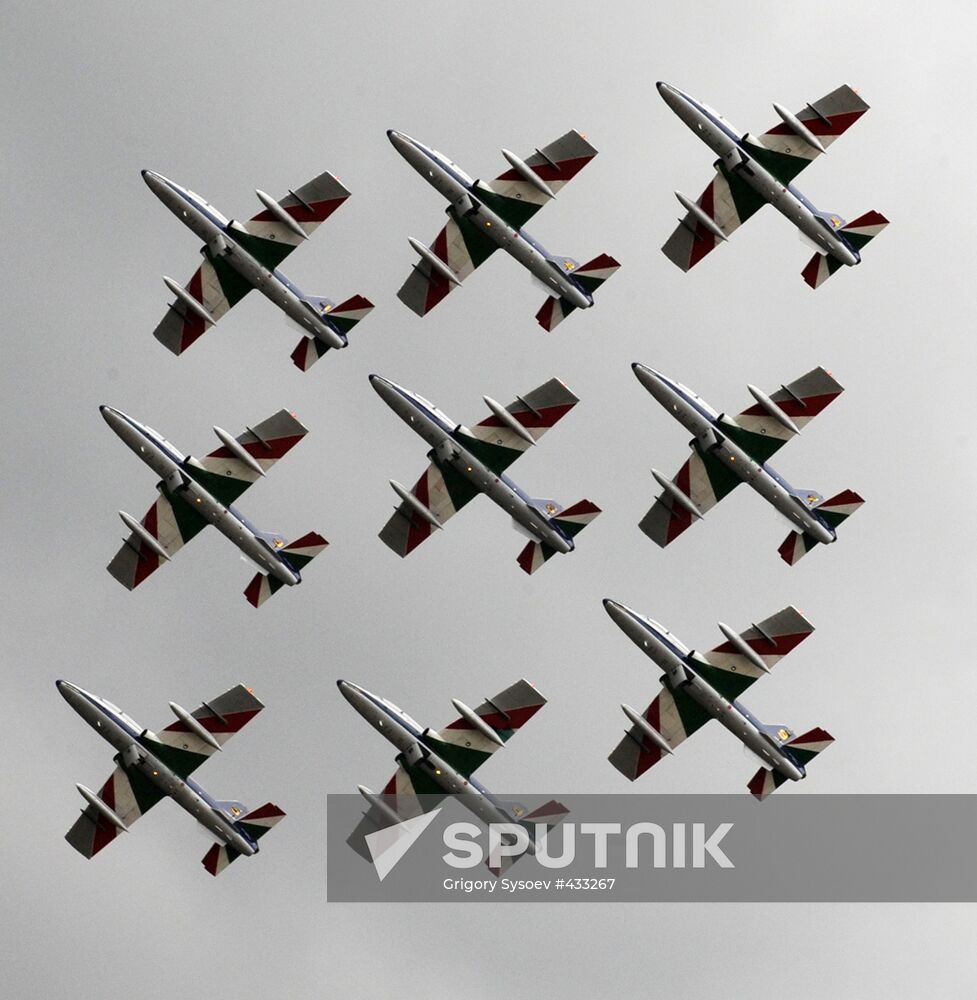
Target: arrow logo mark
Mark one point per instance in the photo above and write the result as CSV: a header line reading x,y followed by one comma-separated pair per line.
x,y
388,846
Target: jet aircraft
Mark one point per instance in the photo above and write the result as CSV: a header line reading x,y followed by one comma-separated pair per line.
x,y
484,216
701,686
240,256
432,764
466,461
197,492
151,766
753,171
729,450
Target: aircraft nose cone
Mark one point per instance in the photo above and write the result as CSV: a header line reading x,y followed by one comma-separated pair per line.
x,y
381,385
66,688
615,610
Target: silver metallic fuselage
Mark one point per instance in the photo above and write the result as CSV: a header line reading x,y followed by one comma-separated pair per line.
x,y
455,185
438,429
678,662
126,736
727,143
217,233
414,753
177,481
703,421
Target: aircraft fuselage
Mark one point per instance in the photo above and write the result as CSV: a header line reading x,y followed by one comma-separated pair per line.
x,y
133,754
728,145
703,421
461,192
443,435
218,234
678,663
178,484
415,753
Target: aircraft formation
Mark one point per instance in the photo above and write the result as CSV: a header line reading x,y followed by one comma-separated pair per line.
x,y
465,461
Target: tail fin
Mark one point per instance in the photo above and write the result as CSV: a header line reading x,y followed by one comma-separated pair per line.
x,y
549,814
803,749
343,317
256,824
590,277
298,553
570,521
857,233
839,508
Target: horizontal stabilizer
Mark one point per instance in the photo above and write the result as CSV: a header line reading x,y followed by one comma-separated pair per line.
x,y
595,272
550,814
589,277
833,511
802,749
256,824
857,234
764,782
342,317
570,521
298,554
553,312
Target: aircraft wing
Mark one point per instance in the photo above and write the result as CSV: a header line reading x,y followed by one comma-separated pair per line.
x,y
673,714
404,798
129,795
518,200
309,206
443,491
462,247
172,524
498,445
785,153
761,435
729,202
466,747
704,480
216,287
226,476
731,673
183,750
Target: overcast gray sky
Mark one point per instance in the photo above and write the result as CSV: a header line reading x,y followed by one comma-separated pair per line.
x,y
227,97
